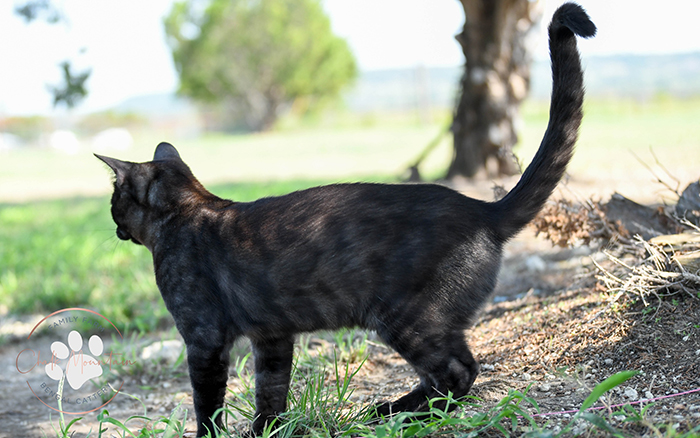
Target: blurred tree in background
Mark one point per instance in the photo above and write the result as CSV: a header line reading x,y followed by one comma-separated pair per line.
x,y
256,57
72,90
34,9
495,81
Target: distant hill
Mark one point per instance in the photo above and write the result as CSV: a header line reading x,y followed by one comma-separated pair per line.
x,y
632,76
157,105
621,76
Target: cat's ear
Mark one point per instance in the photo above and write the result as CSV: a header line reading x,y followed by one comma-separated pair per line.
x,y
120,168
166,151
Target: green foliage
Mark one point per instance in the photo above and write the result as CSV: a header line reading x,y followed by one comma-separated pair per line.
x,y
256,56
351,345
318,404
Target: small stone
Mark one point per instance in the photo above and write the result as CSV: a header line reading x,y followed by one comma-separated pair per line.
x,y
168,351
648,395
545,387
535,263
610,361
527,376
631,394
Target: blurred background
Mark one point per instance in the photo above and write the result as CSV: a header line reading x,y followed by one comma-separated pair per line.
x,y
265,97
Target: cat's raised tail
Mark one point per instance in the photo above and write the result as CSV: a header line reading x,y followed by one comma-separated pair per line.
x,y
541,177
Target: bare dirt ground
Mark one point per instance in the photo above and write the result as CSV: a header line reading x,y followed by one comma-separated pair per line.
x,y
552,327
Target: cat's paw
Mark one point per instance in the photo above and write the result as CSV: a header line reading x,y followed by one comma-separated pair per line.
x,y
80,367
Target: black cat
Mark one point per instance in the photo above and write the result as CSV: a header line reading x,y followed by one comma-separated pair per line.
x,y
412,262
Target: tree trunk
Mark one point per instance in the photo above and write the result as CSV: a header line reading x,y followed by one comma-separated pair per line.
x,y
496,79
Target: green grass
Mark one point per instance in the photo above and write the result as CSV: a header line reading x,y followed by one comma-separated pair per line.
x,y
367,145
615,134
64,253
321,404
326,154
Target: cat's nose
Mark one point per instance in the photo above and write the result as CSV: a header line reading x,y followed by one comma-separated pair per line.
x,y
123,235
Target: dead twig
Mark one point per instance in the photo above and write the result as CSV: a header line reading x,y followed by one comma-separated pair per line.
x,y
659,274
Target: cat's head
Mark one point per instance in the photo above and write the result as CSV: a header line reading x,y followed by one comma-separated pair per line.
x,y
145,193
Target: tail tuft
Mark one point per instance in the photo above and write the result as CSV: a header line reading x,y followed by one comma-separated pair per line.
x,y
574,18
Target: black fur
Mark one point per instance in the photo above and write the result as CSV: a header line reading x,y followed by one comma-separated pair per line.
x,y
412,262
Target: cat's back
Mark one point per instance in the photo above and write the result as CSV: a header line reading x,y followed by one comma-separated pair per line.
x,y
374,199
371,208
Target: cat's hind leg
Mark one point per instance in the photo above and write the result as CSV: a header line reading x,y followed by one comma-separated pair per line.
x,y
454,371
442,360
273,366
413,401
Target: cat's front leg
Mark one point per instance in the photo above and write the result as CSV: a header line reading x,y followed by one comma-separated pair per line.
x,y
273,366
208,367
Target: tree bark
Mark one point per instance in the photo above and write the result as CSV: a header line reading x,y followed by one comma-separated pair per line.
x,y
495,81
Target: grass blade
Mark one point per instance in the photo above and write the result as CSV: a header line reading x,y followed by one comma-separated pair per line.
x,y
600,423
605,386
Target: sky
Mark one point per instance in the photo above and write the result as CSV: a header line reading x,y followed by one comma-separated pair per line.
x,y
123,42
